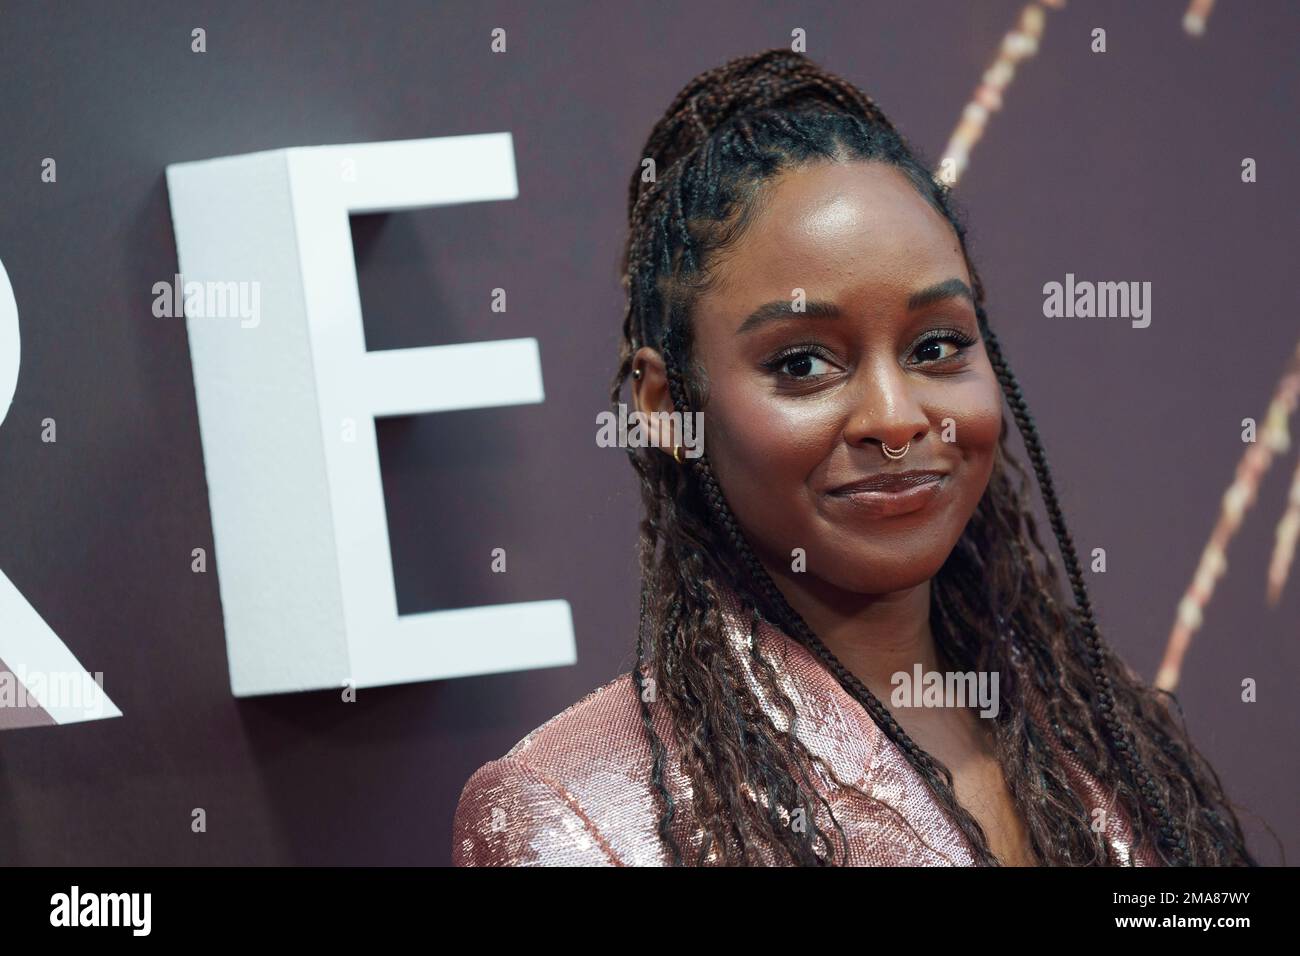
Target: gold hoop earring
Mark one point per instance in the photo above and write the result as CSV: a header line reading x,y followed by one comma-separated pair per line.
x,y
679,454
893,454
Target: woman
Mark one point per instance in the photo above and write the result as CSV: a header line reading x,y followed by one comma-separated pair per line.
x,y
854,528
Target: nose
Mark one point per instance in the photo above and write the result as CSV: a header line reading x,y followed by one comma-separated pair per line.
x,y
886,409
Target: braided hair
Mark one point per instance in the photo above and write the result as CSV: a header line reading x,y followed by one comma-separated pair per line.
x,y
995,602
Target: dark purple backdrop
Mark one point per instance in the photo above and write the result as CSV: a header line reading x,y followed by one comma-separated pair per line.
x,y
1122,166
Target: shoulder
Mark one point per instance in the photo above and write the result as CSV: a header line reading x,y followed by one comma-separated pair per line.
x,y
565,793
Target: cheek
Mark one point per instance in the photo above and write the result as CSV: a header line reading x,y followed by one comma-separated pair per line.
x,y
969,414
762,451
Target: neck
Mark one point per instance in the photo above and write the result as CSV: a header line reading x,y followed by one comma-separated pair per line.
x,y
874,635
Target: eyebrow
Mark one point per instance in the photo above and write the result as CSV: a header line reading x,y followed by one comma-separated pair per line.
x,y
784,308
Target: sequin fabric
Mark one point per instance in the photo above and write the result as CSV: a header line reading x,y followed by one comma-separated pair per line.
x,y
577,790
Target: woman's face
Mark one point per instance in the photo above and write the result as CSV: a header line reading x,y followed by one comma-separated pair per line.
x,y
886,350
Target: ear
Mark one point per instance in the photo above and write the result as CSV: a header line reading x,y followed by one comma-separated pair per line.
x,y
650,395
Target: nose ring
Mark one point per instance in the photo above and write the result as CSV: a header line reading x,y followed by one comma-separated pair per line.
x,y
893,454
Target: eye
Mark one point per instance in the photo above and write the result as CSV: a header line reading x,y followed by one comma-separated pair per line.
x,y
940,345
800,363
936,350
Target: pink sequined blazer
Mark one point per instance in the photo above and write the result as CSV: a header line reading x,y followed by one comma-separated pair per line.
x,y
577,790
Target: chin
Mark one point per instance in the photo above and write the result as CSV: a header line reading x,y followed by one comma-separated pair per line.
x,y
884,573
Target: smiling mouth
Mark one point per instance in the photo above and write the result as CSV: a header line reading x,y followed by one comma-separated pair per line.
x,y
887,495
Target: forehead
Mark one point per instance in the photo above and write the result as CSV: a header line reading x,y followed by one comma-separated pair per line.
x,y
836,228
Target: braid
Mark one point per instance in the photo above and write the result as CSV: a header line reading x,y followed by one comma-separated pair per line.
x,y
1172,840
657,750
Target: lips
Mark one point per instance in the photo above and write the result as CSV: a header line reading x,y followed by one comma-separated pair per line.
x,y
888,483
889,495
